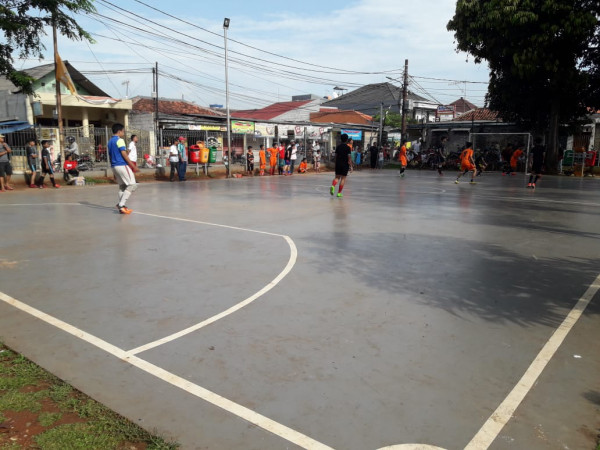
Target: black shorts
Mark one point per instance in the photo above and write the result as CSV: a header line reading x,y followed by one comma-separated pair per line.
x,y
5,169
47,170
537,168
342,170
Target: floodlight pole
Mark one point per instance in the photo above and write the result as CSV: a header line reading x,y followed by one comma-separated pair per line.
x,y
228,168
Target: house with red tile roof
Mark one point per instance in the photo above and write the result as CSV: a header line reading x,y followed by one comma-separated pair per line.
x,y
329,115
297,110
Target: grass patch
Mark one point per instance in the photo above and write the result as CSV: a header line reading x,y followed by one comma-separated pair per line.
x,y
92,180
29,394
48,418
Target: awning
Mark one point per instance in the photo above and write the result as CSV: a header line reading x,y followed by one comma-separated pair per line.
x,y
14,125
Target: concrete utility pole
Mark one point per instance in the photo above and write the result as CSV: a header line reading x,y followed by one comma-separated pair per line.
x,y
155,93
58,99
405,99
379,143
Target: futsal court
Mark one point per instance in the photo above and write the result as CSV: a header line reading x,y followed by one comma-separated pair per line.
x,y
263,313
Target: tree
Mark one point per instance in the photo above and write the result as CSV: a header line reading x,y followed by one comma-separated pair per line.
x,y
22,22
542,55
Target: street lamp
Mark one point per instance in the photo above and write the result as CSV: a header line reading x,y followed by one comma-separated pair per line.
x,y
225,28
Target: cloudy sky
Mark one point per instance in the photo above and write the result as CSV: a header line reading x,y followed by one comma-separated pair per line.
x,y
276,49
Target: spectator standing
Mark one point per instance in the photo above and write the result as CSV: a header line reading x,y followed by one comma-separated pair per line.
x,y
318,161
174,160
32,156
183,159
123,169
132,150
5,166
272,155
288,157
262,159
293,157
250,161
373,152
281,156
46,166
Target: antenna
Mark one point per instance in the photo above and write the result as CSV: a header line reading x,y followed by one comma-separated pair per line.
x,y
126,83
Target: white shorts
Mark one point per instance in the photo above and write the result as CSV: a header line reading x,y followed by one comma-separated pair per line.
x,y
124,176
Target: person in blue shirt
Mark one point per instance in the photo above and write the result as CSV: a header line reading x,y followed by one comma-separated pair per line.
x,y
122,167
183,159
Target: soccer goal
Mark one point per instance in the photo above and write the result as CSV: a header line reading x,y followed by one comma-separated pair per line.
x,y
491,146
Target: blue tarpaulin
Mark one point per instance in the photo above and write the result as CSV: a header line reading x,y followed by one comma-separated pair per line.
x,y
12,126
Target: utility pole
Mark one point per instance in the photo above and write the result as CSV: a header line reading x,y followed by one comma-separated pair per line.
x,y
126,83
380,126
155,93
405,99
58,98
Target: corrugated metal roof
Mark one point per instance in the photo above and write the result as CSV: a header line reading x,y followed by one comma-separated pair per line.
x,y
368,99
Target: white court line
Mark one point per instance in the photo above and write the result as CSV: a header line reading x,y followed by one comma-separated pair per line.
x,y
492,427
286,270
234,308
253,417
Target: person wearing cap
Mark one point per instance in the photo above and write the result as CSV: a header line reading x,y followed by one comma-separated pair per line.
x,y
5,167
183,159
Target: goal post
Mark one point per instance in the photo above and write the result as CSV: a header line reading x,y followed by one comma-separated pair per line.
x,y
497,142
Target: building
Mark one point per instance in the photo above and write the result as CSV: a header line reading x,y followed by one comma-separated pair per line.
x,y
370,99
298,110
92,106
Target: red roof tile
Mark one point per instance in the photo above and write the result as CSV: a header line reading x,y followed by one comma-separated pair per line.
x,y
269,112
172,107
478,115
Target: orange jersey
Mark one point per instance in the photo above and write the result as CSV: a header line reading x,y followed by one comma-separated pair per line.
x,y
515,157
466,156
303,167
262,157
402,156
273,158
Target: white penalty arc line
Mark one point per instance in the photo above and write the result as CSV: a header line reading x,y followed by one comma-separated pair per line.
x,y
236,409
492,427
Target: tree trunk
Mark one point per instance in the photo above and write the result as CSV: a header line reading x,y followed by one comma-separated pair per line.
x,y
552,144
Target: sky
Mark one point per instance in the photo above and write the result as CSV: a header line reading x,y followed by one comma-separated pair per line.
x,y
275,49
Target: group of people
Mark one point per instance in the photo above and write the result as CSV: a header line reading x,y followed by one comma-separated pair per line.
x,y
283,157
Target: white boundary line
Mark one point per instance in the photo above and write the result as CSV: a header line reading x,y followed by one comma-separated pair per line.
x,y
492,427
236,409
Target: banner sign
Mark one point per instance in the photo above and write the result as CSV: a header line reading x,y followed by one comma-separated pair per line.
x,y
242,127
355,135
207,128
264,129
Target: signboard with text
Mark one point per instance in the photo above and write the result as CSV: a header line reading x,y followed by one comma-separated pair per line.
x,y
355,135
242,127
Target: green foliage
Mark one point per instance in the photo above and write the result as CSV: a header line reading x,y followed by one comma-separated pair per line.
x,y
22,24
542,54
46,419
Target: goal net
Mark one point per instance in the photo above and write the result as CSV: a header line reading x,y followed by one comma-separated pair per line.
x,y
492,146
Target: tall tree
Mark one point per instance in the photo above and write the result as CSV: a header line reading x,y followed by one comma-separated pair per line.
x,y
542,56
23,21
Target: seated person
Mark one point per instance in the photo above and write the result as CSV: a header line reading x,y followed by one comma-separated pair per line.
x,y
70,168
303,166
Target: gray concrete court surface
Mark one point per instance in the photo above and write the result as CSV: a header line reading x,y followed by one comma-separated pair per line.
x,y
262,313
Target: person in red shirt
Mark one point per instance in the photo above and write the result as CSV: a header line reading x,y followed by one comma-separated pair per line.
x,y
467,163
281,164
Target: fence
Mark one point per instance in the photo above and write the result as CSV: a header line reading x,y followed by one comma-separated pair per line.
x,y
91,143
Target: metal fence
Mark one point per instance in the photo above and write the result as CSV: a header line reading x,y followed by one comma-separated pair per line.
x,y
91,142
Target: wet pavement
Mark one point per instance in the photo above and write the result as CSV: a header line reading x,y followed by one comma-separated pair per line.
x,y
405,312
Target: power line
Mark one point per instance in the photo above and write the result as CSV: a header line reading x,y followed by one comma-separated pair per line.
x,y
261,50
